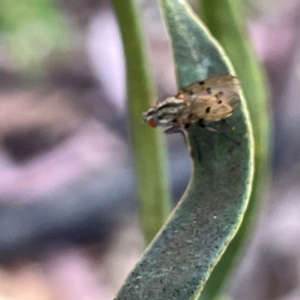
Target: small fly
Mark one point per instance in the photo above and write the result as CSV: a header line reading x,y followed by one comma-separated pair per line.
x,y
212,99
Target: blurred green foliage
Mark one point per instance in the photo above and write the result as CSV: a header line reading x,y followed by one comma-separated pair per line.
x,y
227,21
33,30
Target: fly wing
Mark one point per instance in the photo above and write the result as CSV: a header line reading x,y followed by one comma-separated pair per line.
x,y
213,85
212,99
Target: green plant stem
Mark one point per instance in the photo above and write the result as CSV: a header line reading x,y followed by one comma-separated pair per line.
x,y
226,21
148,144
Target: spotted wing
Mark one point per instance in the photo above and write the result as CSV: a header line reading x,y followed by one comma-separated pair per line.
x,y
210,100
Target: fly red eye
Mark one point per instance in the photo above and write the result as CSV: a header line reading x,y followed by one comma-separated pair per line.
x,y
151,122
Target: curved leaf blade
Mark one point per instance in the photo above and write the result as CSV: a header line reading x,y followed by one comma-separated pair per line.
x,y
178,262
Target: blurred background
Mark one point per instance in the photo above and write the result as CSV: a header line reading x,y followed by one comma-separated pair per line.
x,y
69,227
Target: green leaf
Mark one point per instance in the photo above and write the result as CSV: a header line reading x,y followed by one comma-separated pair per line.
x,y
148,145
178,262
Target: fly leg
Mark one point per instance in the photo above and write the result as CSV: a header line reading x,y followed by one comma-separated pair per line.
x,y
176,129
195,152
203,125
179,129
